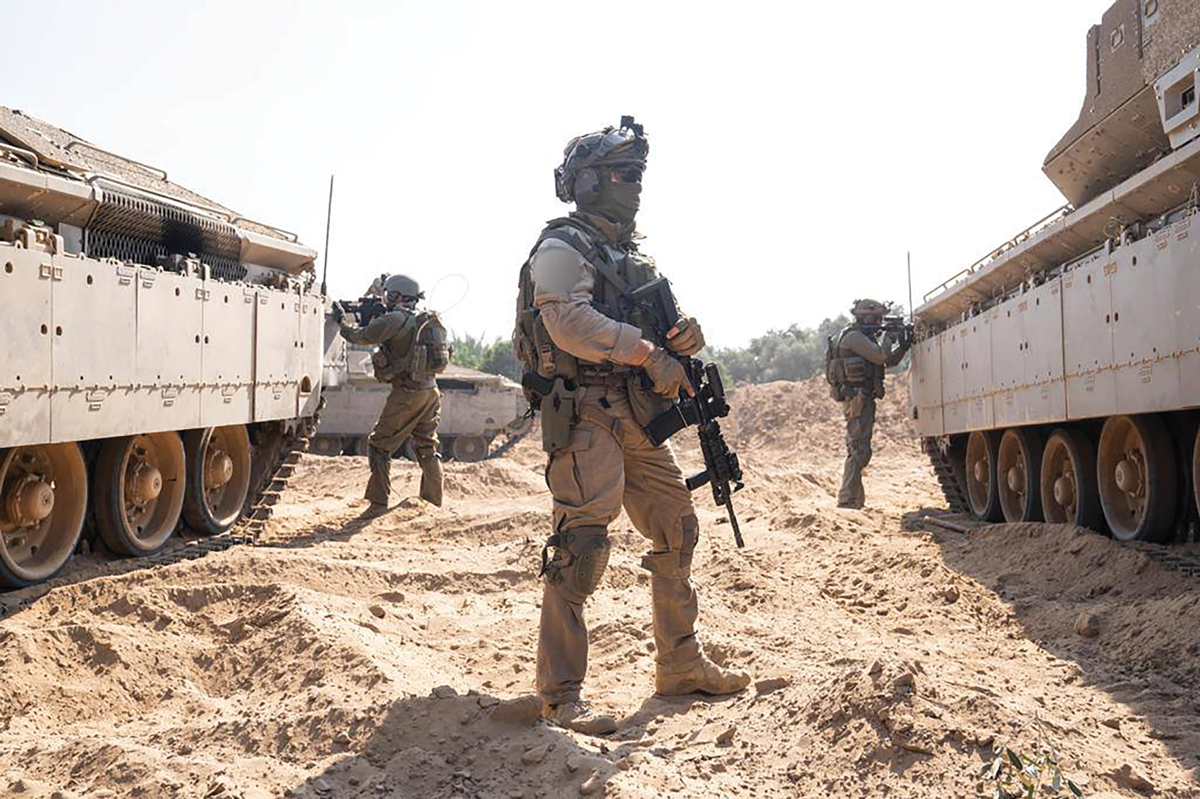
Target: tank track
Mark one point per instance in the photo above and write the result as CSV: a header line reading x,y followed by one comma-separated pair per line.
x,y
944,471
1169,558
282,457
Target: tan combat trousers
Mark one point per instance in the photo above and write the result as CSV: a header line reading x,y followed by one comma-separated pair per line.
x,y
608,463
407,412
860,425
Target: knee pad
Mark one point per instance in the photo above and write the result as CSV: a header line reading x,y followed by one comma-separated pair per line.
x,y
580,558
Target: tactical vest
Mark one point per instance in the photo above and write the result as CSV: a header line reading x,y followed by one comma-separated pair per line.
x,y
413,356
848,374
614,278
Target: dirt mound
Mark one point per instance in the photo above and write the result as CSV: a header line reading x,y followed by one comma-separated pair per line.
x,y
350,655
1076,590
801,418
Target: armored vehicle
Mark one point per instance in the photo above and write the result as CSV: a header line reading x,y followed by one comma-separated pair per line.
x,y
477,408
1058,377
162,354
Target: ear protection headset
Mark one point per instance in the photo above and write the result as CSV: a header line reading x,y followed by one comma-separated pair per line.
x,y
587,186
584,185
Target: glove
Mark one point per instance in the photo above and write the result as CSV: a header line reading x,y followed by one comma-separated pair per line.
x,y
666,373
689,338
338,312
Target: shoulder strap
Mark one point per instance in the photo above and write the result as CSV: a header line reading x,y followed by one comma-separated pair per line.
x,y
595,255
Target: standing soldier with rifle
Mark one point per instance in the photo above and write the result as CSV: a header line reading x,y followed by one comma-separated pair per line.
x,y
411,350
855,366
601,367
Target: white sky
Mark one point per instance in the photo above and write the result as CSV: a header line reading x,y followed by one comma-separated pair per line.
x,y
798,149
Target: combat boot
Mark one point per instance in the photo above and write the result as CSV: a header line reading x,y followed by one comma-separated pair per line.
x,y
431,479
578,716
702,676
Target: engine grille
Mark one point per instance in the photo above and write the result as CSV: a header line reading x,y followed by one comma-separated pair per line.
x,y
139,229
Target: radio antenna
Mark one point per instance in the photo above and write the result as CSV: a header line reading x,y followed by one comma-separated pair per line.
x,y
325,255
910,307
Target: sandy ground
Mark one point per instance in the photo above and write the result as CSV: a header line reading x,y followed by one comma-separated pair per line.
x,y
389,657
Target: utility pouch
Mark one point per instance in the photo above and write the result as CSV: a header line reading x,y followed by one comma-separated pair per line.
x,y
559,411
853,409
382,365
643,402
856,369
419,364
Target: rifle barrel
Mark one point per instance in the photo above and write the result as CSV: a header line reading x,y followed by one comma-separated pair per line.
x,y
737,530
910,308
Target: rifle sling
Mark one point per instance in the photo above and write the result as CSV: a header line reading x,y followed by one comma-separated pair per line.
x,y
592,255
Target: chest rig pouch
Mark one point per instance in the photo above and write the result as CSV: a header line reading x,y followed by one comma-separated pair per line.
x,y
551,374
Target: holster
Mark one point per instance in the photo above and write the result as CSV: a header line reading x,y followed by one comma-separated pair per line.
x,y
560,410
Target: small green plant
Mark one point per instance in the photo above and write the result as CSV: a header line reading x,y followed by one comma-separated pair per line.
x,y
1023,776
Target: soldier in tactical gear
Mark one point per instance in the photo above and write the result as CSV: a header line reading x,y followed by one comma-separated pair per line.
x,y
859,368
409,359
612,371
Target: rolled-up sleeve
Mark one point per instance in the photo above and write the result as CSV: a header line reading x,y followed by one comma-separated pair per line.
x,y
563,284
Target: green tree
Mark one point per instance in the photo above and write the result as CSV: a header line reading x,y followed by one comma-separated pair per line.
x,y
796,353
496,357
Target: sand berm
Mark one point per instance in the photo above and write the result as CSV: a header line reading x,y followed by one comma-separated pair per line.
x,y
394,656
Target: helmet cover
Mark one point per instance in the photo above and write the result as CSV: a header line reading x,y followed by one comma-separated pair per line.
x,y
626,145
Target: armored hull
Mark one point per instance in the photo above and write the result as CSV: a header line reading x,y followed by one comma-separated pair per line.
x,y
1058,377
161,353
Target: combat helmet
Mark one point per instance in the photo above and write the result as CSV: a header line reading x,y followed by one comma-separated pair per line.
x,y
401,290
576,180
865,310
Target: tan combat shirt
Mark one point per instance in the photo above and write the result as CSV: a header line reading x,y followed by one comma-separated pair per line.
x,y
563,282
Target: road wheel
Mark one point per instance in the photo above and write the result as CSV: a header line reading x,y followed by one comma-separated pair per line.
x,y
358,447
1018,475
1136,473
138,488
470,449
1069,491
1196,471
218,477
982,491
327,445
43,501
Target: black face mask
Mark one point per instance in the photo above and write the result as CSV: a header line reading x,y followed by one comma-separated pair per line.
x,y
618,201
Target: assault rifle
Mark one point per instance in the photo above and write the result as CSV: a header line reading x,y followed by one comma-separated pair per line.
x,y
364,310
902,330
721,467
